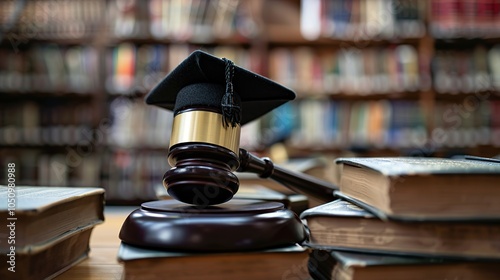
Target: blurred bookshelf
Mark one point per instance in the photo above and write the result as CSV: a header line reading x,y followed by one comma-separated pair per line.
x,y
373,77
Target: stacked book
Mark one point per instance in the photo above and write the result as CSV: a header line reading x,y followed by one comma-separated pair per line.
x,y
409,218
46,229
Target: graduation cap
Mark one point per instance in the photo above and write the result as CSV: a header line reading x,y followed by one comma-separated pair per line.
x,y
202,80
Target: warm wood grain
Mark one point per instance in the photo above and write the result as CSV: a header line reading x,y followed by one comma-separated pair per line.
x,y
104,243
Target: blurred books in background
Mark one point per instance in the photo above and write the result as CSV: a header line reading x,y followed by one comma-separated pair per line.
x,y
465,18
362,19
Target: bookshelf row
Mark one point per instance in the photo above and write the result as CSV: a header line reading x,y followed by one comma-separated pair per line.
x,y
362,19
71,166
131,124
131,69
467,70
128,158
51,19
394,125
313,123
389,19
50,68
373,70
465,18
128,68
45,123
200,21
196,21
386,70
131,172
207,21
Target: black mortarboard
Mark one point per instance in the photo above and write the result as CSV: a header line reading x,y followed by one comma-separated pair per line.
x,y
201,80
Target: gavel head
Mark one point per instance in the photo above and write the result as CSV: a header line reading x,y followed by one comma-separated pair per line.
x,y
211,99
204,154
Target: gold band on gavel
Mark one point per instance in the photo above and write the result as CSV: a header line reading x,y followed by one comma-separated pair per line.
x,y
205,127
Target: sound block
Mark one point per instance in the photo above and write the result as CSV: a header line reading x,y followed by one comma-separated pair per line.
x,y
237,225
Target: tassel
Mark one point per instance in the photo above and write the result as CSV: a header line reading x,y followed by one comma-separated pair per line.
x,y
231,112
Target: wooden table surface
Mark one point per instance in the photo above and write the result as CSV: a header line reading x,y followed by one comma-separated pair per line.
x,y
104,243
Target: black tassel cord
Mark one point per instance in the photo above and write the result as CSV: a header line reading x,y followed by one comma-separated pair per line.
x,y
231,112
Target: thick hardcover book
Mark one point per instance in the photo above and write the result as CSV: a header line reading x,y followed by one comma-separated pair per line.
x,y
47,229
342,225
44,213
279,263
341,265
48,260
424,188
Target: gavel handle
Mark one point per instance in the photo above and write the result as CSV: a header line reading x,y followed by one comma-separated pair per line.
x,y
296,181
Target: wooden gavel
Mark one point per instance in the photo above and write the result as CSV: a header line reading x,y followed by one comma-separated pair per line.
x,y
203,174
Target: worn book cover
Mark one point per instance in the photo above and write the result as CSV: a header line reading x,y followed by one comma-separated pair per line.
x,y
343,225
47,229
50,259
423,188
43,213
343,265
279,263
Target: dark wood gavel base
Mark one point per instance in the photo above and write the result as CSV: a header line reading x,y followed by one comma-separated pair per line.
x,y
238,225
